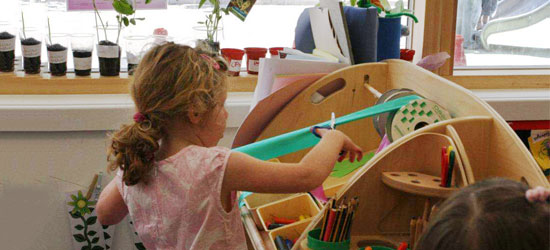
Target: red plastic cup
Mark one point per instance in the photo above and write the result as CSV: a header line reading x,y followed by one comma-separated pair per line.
x,y
253,56
233,58
275,51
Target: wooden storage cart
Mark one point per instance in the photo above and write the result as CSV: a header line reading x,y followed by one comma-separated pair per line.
x,y
393,186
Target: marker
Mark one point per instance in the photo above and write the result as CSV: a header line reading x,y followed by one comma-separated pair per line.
x,y
452,158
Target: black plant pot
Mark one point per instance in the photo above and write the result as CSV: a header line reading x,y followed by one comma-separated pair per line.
x,y
31,64
82,54
109,66
7,55
58,68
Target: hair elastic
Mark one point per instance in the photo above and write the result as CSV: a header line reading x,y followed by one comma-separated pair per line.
x,y
139,117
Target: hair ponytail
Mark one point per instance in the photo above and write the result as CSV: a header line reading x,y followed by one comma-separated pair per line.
x,y
169,81
133,149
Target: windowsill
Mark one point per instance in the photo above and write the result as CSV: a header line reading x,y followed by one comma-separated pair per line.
x,y
43,84
109,111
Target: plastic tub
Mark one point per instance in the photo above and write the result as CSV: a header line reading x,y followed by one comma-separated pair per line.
x,y
253,56
275,51
234,58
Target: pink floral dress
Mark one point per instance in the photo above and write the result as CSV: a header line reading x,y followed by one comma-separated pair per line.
x,y
180,207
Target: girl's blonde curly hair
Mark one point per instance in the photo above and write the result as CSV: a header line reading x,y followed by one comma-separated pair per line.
x,y
170,80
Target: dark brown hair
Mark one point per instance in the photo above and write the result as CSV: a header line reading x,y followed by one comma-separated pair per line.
x,y
169,81
489,215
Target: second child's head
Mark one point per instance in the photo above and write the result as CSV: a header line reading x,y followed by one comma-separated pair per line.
x,y
491,214
176,89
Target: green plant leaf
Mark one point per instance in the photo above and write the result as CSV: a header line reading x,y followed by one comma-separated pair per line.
x,y
79,237
92,233
140,246
85,248
91,220
79,227
98,248
126,21
95,240
133,21
147,1
201,3
123,7
140,18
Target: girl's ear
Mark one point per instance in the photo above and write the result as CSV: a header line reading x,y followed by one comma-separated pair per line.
x,y
193,116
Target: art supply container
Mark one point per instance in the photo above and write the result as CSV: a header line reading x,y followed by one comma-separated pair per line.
x,y
389,36
31,46
314,243
253,56
57,45
234,58
275,51
82,46
256,200
289,208
291,232
7,46
136,47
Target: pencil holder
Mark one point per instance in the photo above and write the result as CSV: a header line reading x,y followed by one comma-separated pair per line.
x,y
314,243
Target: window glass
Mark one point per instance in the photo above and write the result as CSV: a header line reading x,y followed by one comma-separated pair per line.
x,y
506,33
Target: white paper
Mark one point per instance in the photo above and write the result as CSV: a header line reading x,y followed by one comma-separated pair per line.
x,y
254,65
32,50
82,63
270,67
339,25
323,33
235,65
77,227
106,51
7,44
57,56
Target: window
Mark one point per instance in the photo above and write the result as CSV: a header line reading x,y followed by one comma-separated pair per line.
x,y
270,23
502,33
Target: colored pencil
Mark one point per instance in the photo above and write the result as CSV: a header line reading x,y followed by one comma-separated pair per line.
x,y
412,229
337,220
443,157
328,205
330,224
452,158
340,227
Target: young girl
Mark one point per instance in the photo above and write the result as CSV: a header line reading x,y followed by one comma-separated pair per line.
x,y
177,186
495,214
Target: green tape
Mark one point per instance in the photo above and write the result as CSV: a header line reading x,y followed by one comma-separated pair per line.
x,y
302,138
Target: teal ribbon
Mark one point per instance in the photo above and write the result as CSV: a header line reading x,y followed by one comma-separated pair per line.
x,y
302,138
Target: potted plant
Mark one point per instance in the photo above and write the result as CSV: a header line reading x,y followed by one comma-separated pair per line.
x,y
7,47
31,45
108,51
82,45
211,24
57,52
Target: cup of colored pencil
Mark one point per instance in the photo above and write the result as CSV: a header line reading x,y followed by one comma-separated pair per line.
x,y
335,229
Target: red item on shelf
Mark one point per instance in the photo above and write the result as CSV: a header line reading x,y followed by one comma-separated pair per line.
x,y
253,56
233,58
275,51
402,246
529,125
407,54
460,58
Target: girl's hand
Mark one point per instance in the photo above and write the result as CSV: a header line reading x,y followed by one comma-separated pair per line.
x,y
538,194
348,147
